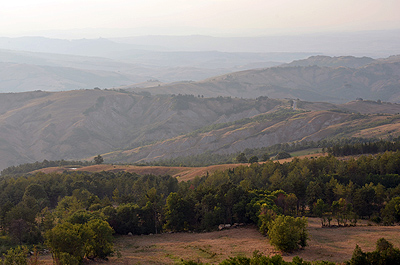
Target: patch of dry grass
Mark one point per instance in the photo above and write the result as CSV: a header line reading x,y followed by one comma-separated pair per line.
x,y
331,244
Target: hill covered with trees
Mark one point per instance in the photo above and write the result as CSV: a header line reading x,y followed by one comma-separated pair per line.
x,y
39,208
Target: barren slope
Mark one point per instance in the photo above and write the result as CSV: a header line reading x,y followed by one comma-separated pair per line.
x,y
310,126
378,80
79,124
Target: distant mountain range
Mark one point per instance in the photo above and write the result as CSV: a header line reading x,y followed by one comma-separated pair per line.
x,y
128,127
318,78
38,70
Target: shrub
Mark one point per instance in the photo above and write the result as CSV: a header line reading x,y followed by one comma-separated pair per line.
x,y
283,155
287,233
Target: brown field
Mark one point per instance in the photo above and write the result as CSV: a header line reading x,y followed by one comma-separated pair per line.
x,y
181,173
332,244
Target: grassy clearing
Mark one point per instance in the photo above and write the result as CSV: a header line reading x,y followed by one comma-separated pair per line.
x,y
332,244
306,152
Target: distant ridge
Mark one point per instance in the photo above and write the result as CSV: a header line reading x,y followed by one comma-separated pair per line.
x,y
318,78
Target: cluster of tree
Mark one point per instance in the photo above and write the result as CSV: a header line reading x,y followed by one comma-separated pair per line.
x,y
373,147
384,254
72,240
262,154
28,167
270,195
181,102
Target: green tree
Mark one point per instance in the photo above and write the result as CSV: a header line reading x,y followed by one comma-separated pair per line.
x,y
287,233
70,243
319,210
154,205
66,243
282,155
314,192
179,213
16,256
98,160
241,158
99,239
391,212
265,157
253,159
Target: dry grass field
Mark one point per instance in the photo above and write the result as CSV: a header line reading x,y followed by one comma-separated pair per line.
x,y
332,244
181,173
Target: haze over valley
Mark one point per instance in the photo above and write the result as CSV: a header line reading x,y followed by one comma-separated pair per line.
x,y
141,99
200,132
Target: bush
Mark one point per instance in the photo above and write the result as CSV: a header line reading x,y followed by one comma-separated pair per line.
x,y
287,233
15,256
253,159
283,155
385,254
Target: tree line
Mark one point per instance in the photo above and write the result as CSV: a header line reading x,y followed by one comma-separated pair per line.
x,y
39,208
28,167
337,147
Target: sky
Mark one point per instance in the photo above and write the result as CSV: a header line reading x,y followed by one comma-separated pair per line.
x,y
121,18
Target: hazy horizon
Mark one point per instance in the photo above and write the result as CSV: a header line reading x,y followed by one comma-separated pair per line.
x,y
71,19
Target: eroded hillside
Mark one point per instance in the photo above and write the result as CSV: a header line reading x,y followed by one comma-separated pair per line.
x,y
79,124
267,130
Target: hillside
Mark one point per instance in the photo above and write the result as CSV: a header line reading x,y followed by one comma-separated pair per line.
x,y
128,127
327,61
344,79
255,133
17,77
78,124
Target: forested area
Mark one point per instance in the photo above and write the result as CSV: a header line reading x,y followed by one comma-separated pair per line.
x,y
28,167
84,208
335,146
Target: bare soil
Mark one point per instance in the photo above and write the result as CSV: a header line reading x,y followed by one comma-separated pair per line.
x,y
331,244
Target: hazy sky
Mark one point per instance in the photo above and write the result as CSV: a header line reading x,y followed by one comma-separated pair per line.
x,y
115,18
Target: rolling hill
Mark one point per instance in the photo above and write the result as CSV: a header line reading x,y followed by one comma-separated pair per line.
x,y
309,80
129,127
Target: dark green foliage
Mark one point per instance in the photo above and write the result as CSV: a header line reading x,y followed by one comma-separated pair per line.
x,y
257,193
287,233
369,147
70,243
241,158
66,243
282,155
16,256
99,239
28,167
98,160
385,254
179,213
259,259
391,212
253,159
208,158
265,157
